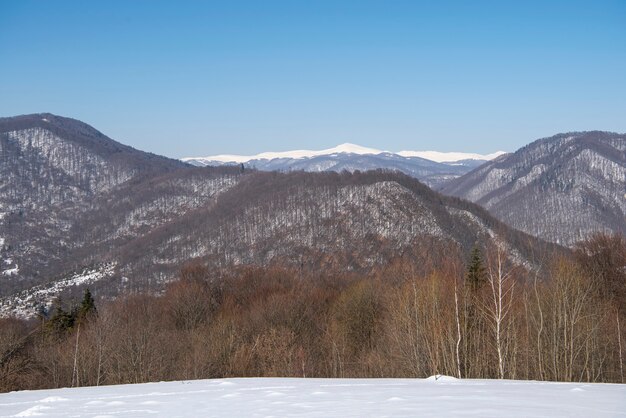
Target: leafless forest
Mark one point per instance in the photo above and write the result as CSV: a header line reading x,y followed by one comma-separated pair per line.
x,y
480,317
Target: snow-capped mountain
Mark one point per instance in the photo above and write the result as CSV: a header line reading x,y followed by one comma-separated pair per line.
x,y
346,148
561,188
432,167
451,157
79,208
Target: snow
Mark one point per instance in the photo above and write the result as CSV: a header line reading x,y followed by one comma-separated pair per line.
x,y
71,158
441,378
12,271
450,157
296,154
561,189
346,148
289,397
23,304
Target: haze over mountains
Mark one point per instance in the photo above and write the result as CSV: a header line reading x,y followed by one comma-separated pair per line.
x,y
78,207
431,167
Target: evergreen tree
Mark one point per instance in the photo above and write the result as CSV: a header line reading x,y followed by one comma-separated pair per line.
x,y
475,327
87,307
61,320
476,276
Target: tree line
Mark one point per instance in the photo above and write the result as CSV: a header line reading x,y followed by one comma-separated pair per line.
x,y
481,316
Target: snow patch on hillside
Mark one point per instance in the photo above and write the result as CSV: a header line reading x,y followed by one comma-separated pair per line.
x,y
512,254
12,271
74,160
190,194
25,303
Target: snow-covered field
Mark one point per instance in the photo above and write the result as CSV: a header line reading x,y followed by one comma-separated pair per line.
x,y
281,397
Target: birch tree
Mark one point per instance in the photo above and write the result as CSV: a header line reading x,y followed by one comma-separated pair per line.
x,y
498,310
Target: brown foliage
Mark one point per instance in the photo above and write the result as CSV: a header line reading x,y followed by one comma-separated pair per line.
x,y
397,322
603,259
191,300
16,361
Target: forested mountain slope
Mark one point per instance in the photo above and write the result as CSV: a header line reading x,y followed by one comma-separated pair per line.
x,y
79,208
561,188
51,169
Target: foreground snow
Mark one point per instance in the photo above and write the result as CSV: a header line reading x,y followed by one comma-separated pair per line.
x,y
281,397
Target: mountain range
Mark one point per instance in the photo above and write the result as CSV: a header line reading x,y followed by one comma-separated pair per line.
x,y
78,208
81,209
562,188
431,167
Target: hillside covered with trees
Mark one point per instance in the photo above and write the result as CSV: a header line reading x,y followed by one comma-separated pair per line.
x,y
477,317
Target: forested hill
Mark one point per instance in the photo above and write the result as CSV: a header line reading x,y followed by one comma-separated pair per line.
x,y
562,189
52,168
75,214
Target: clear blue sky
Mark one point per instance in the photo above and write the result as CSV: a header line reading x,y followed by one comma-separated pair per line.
x,y
200,78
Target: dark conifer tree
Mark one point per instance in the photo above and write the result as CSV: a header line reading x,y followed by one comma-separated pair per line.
x,y
61,320
476,276
475,327
87,306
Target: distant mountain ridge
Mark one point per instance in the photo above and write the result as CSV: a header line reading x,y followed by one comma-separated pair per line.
x,y
432,167
346,148
562,188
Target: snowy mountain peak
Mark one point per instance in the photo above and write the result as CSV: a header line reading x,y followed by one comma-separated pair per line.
x,y
345,148
431,167
450,157
349,148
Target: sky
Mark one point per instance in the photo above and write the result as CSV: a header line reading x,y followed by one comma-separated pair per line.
x,y
200,78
